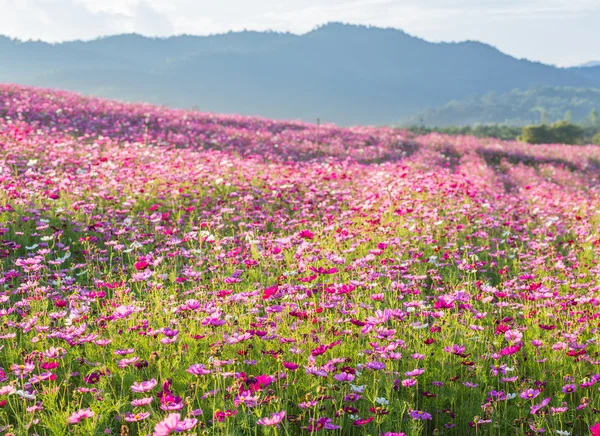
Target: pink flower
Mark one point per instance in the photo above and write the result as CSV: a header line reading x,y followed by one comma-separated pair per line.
x,y
529,394
198,369
246,398
536,408
344,377
513,336
415,372
274,420
141,402
167,425
76,417
144,386
186,424
22,370
130,417
595,429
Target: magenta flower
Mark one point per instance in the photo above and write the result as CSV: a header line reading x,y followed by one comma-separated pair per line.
x,y
290,365
362,421
246,398
323,423
536,408
418,415
376,366
344,377
529,394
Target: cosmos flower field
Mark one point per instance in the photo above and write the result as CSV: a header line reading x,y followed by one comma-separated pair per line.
x,y
173,272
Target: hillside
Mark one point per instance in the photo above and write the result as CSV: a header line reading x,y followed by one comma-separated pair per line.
x,y
514,108
341,73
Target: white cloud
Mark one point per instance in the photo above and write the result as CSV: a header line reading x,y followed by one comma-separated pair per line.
x,y
558,31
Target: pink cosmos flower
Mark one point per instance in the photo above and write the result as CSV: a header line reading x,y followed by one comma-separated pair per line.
x,y
186,425
246,398
418,415
290,365
537,407
344,377
513,336
130,417
167,425
76,417
274,420
141,402
144,386
415,372
22,370
198,369
529,394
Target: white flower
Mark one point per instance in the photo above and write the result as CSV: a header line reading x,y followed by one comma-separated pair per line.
x,y
382,401
23,394
563,432
357,389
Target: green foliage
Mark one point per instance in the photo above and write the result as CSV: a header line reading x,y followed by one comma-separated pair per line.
x,y
561,132
596,139
543,105
594,117
497,131
537,134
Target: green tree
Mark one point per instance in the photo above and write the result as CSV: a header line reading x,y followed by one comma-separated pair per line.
x,y
536,134
594,117
562,132
565,132
596,139
568,116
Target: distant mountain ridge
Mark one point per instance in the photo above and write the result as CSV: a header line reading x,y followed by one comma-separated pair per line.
x,y
340,73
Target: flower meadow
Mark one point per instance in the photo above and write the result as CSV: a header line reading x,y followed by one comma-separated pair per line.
x,y
174,272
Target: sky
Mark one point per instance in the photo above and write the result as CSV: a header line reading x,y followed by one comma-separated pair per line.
x,y
559,32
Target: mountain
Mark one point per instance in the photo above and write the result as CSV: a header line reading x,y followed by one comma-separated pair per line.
x,y
340,73
591,73
512,108
590,64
